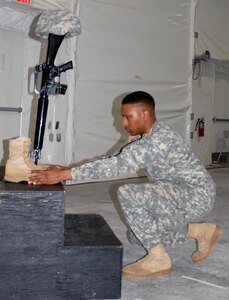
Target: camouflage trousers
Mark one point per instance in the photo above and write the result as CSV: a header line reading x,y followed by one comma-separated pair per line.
x,y
158,212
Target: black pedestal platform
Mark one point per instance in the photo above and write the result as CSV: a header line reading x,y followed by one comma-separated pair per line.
x,y
46,255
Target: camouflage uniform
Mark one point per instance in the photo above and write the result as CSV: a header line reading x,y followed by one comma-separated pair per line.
x,y
180,189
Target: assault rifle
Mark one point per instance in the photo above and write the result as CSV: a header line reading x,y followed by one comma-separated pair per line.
x,y
50,84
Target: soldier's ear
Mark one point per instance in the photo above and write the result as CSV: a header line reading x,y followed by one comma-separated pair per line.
x,y
145,114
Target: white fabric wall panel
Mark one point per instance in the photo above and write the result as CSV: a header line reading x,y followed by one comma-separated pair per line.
x,y
11,78
203,105
52,4
212,26
18,17
210,89
124,46
37,5
221,107
127,46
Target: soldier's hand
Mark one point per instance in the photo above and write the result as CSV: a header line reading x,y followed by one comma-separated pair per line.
x,y
51,175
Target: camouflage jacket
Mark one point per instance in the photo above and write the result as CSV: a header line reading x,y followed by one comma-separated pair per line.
x,y
161,152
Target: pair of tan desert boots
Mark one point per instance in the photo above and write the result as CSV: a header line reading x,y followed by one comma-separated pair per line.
x,y
157,261
19,163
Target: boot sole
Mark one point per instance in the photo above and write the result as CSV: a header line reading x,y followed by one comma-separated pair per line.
x,y
215,238
15,180
155,274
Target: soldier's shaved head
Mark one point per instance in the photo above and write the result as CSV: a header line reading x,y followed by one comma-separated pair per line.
x,y
139,97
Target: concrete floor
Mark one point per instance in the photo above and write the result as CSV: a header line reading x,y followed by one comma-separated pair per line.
x,y
188,281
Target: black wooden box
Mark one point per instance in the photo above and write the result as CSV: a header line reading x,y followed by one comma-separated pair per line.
x,y
92,257
31,231
46,255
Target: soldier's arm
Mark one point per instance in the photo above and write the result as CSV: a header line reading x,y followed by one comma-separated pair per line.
x,y
127,162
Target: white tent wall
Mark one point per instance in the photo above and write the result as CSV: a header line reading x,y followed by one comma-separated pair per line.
x,y
202,107
212,26
221,109
210,90
124,46
11,90
18,18
127,46
13,27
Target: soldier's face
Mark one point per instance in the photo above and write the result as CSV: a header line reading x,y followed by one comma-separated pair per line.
x,y
133,119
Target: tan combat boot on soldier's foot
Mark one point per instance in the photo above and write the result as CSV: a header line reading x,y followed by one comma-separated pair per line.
x,y
18,165
156,263
206,235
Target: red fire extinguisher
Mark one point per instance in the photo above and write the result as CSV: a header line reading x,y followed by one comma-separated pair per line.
x,y
200,127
